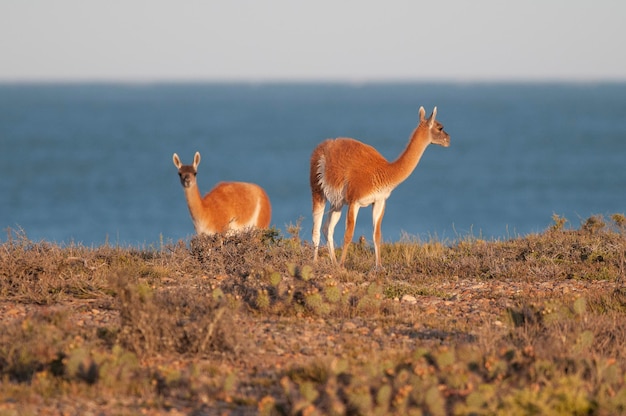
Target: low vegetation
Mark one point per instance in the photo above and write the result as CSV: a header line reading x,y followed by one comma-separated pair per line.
x,y
249,325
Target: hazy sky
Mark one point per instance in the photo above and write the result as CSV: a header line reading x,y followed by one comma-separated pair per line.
x,y
346,40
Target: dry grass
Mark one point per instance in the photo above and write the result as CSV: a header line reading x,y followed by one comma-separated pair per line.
x,y
248,325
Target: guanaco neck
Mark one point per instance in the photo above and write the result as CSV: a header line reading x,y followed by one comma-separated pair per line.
x,y
401,168
194,203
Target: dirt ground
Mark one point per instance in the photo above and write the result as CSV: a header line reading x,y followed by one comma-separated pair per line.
x,y
283,343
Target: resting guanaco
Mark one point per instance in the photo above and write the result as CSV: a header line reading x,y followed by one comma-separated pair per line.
x,y
229,206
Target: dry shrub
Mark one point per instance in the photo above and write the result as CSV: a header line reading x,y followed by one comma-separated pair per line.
x,y
49,345
45,273
30,345
28,271
259,267
40,273
597,251
241,254
184,320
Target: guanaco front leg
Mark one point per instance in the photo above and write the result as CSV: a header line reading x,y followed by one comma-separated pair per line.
x,y
378,211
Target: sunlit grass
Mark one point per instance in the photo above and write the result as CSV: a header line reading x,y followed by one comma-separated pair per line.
x,y
528,324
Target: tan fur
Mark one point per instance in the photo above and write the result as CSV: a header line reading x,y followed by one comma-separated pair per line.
x,y
347,172
229,206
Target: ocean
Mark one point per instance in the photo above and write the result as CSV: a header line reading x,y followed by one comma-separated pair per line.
x,y
92,164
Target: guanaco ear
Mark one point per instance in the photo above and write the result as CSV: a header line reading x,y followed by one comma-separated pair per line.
x,y
196,160
176,161
431,119
422,113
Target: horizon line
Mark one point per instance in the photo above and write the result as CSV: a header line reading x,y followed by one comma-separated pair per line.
x,y
303,80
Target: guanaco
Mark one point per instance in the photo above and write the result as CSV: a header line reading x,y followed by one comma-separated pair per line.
x,y
228,207
345,171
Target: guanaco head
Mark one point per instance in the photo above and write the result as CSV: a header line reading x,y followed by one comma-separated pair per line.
x,y
187,173
435,129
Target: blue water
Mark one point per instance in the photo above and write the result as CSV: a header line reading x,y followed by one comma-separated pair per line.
x,y
93,163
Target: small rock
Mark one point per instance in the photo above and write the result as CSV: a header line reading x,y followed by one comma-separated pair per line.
x,y
307,351
348,326
410,299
